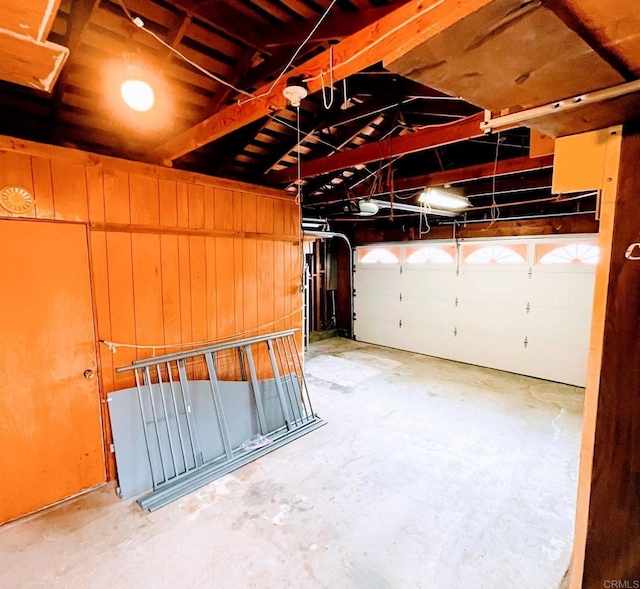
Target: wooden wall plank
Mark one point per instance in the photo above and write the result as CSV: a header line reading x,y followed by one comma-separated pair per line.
x,y
116,196
212,288
249,213
184,266
144,200
238,281
15,170
251,296
147,292
69,191
171,306
42,187
209,208
265,213
196,206
95,194
265,288
236,210
168,203
100,289
225,301
121,305
183,204
279,281
198,274
224,210
278,217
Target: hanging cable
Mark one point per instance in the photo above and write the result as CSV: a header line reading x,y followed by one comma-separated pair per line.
x,y
382,38
293,57
139,23
329,104
113,346
495,210
298,201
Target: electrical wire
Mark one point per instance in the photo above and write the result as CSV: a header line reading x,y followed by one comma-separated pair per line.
x,y
495,210
290,62
113,346
382,38
329,104
139,24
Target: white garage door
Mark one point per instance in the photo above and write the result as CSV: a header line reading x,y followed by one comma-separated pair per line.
x,y
515,305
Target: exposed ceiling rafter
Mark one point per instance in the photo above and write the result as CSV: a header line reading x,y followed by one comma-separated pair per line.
x,y
427,138
393,35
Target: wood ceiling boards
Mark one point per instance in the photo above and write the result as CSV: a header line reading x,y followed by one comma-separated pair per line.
x,y
514,55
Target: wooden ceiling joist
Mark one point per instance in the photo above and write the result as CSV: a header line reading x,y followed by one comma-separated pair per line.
x,y
469,174
393,35
522,174
335,27
428,138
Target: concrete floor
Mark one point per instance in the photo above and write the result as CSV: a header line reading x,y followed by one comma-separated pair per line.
x,y
429,474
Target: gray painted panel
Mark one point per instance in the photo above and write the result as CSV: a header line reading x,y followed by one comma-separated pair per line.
x,y
238,403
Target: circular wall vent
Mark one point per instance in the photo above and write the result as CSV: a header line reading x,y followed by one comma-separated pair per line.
x,y
16,200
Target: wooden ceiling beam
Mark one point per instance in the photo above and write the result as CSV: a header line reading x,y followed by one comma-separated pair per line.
x,y
334,27
390,37
568,16
427,138
523,182
515,165
79,18
230,21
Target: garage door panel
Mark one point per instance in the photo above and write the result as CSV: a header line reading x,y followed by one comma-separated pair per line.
x,y
570,327
430,284
383,281
492,351
378,331
533,321
558,362
573,290
431,341
491,318
377,307
428,313
487,286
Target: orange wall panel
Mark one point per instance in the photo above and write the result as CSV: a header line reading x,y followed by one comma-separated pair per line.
x,y
173,260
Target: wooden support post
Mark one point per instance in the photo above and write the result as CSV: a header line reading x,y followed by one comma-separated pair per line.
x,y
607,534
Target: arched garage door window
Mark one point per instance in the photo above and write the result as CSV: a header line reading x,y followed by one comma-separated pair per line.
x,y
573,253
430,255
379,255
495,254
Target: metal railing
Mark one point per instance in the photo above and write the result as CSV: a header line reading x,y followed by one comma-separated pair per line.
x,y
187,433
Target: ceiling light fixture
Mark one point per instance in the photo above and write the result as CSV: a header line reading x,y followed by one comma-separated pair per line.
x,y
134,90
444,199
367,208
295,90
137,94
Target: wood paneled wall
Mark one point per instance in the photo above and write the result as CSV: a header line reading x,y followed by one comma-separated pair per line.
x,y
175,257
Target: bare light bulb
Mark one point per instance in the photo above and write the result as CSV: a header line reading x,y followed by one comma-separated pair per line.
x,y
137,94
